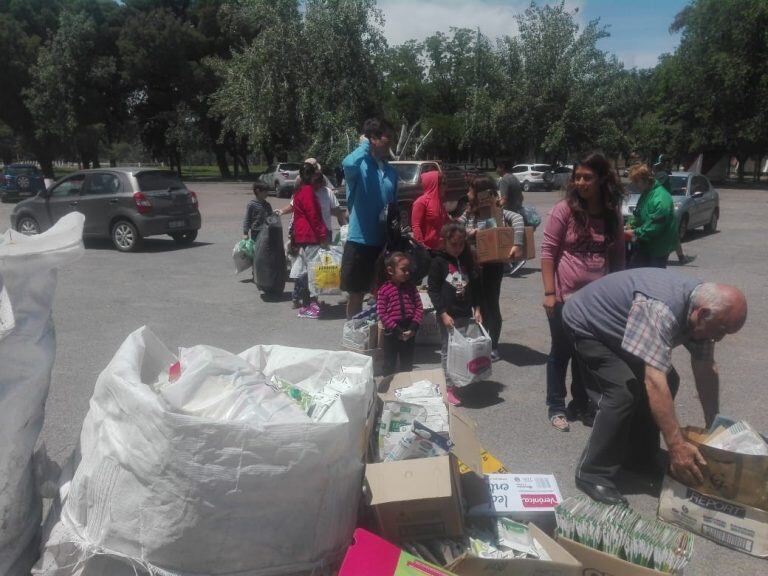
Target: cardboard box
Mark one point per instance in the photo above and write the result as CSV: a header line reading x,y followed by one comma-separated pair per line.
x,y
729,523
370,555
491,465
737,477
494,244
561,564
529,247
597,563
511,494
422,498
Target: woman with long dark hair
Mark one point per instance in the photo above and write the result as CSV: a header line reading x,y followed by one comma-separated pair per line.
x,y
583,241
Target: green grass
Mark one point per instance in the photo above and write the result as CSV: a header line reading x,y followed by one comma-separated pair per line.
x,y
202,172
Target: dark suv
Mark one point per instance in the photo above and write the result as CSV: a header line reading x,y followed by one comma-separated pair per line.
x,y
124,204
19,181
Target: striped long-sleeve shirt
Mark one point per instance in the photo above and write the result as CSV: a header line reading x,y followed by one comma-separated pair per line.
x,y
399,307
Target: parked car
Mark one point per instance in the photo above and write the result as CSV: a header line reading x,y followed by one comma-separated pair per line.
x,y
123,204
531,176
409,186
697,202
558,177
20,181
281,177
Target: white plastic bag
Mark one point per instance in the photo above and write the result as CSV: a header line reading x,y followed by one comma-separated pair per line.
x,y
27,348
325,272
165,492
469,355
358,334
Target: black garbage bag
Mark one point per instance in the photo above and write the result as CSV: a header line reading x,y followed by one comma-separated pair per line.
x,y
269,258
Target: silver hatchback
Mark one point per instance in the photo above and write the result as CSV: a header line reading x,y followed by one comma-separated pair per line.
x,y
697,203
123,204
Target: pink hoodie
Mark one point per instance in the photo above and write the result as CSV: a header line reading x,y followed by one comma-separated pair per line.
x,y
428,215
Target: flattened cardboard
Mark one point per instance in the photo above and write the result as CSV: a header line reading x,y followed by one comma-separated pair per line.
x,y
602,564
728,523
562,563
370,555
494,244
741,478
416,499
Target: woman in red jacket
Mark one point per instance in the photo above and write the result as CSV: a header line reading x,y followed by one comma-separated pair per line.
x,y
309,234
428,215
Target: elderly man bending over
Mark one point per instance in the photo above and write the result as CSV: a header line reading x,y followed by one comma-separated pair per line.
x,y
623,328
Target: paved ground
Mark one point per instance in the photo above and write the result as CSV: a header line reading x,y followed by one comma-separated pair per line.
x,y
191,296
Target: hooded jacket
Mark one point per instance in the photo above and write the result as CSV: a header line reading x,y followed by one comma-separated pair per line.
x,y
308,224
453,284
428,215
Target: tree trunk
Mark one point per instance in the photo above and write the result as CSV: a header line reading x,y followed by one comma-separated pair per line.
x,y
221,160
112,162
269,155
243,149
46,165
95,162
742,164
758,163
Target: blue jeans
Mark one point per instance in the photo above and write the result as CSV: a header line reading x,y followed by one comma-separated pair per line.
x,y
560,354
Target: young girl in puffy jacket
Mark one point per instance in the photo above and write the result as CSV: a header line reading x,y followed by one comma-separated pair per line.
x,y
399,307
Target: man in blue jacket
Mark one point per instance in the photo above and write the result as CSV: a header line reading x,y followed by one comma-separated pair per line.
x,y
371,186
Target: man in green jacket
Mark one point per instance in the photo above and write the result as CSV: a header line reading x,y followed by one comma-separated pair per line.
x,y
654,227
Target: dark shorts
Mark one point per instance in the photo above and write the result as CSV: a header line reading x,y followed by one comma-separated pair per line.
x,y
358,267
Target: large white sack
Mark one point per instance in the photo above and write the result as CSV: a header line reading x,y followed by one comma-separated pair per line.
x,y
161,492
27,348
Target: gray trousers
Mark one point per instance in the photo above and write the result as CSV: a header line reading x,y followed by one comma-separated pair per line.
x,y
624,432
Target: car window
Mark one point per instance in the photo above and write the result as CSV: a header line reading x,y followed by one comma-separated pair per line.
x,y
102,184
519,169
678,185
699,184
407,172
429,168
290,166
69,187
541,167
563,170
22,171
159,180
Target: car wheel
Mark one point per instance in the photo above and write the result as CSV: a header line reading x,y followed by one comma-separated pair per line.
x,y
27,226
682,229
184,237
711,226
125,236
526,186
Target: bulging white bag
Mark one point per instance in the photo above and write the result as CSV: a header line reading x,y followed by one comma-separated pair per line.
x,y
27,348
469,355
160,490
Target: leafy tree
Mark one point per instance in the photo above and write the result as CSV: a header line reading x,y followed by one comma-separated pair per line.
x,y
716,83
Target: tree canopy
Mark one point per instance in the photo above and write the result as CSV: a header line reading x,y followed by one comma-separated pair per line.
x,y
92,79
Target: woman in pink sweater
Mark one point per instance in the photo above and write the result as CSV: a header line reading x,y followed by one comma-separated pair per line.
x,y
583,241
428,215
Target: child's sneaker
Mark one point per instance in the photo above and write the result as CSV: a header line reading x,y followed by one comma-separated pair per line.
x,y
312,312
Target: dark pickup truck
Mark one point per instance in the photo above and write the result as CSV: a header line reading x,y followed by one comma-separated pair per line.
x,y
456,182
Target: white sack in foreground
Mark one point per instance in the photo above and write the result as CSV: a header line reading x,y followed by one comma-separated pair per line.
x,y
248,465
27,348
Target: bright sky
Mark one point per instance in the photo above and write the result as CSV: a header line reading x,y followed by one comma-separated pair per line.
x,y
639,28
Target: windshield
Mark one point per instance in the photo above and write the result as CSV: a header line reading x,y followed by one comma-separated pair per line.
x,y
678,185
22,171
407,172
159,180
289,167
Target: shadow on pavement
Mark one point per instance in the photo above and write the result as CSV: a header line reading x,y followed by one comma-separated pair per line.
x,y
481,394
282,297
520,355
151,245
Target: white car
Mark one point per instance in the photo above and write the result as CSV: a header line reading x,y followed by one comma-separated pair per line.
x,y
281,177
531,176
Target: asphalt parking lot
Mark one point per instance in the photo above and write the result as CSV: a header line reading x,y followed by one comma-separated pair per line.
x,y
191,296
